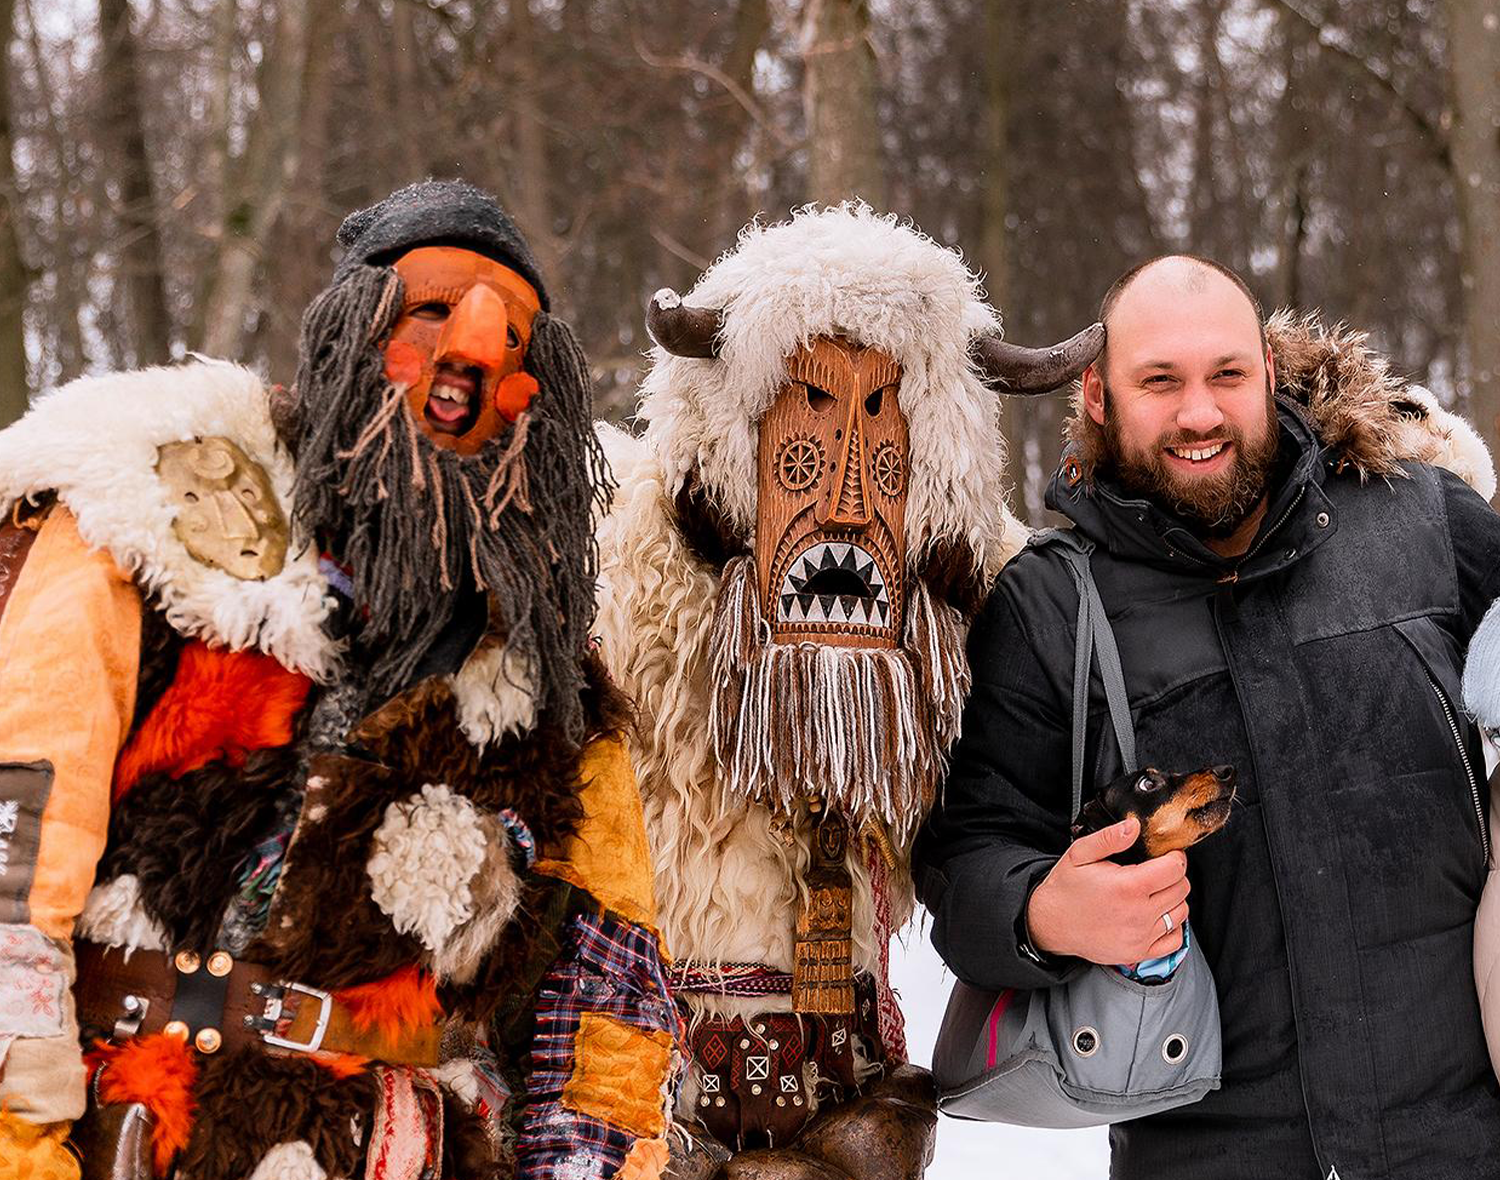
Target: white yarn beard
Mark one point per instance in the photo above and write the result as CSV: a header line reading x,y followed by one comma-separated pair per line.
x,y
867,729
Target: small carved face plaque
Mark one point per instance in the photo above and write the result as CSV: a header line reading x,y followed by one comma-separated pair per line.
x,y
831,512
228,516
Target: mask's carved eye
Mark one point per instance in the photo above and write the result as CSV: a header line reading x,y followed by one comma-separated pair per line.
x,y
511,339
1148,783
431,310
874,402
818,399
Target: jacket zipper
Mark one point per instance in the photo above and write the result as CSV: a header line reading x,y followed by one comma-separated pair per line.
x,y
1234,575
1463,754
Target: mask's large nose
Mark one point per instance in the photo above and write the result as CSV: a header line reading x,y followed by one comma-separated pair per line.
x,y
474,333
847,504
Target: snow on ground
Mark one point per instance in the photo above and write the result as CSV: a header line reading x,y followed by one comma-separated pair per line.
x,y
982,1151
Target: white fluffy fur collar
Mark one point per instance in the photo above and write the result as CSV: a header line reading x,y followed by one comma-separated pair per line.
x,y
94,442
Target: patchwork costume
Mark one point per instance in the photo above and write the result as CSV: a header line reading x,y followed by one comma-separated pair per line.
x,y
788,573
307,772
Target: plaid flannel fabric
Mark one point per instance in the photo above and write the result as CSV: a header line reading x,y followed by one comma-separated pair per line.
x,y
613,968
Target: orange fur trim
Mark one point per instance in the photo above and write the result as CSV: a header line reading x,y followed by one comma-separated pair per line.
x,y
405,999
341,1065
221,704
160,1072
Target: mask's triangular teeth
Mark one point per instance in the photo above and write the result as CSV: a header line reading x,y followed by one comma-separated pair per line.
x,y
804,604
826,602
787,602
828,558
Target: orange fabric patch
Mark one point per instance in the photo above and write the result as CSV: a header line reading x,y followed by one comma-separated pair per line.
x,y
221,704
70,648
608,856
647,1161
617,1074
160,1072
29,1151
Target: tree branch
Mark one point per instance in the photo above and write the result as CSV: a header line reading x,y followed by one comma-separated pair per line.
x,y
713,74
1430,130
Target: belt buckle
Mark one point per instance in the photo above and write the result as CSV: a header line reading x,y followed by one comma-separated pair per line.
x,y
274,996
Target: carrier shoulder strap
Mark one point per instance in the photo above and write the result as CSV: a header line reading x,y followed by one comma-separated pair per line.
x,y
1094,638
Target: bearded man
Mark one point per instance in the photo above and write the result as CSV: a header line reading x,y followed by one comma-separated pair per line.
x,y
796,549
1278,609
301,685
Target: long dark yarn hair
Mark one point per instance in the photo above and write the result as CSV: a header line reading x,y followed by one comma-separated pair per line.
x,y
422,526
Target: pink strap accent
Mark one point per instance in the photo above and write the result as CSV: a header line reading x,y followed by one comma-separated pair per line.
x,y
997,1013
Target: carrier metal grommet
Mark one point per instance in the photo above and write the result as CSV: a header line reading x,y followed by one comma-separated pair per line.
x,y
220,964
176,1029
186,961
1323,518
1086,1041
1174,1049
208,1040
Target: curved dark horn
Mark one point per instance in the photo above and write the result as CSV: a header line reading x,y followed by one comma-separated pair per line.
x,y
1010,368
683,330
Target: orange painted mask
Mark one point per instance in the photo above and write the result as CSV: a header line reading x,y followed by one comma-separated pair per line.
x,y
830,518
458,344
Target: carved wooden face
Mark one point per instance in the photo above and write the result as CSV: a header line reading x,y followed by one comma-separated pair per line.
x,y
458,345
829,536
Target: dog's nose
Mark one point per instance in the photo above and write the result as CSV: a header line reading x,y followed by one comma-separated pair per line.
x,y
1225,774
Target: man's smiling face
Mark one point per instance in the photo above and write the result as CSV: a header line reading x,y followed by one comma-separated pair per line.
x,y
1183,395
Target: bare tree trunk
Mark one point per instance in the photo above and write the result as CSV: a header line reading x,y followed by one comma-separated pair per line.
x,y
14,279
994,253
532,182
840,96
140,234
264,176
1474,56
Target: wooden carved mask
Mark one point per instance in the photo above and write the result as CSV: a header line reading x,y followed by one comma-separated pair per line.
x,y
829,538
458,344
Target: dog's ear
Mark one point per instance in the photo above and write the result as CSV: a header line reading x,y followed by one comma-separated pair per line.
x,y
1092,817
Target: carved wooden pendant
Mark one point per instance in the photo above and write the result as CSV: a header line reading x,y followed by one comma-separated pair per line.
x,y
823,956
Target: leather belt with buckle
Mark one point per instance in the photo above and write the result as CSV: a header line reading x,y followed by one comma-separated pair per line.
x,y
222,1003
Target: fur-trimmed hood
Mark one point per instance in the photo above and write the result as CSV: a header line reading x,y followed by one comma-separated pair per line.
x,y
1364,415
843,270
94,442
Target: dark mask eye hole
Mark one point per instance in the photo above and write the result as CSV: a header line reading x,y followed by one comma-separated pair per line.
x,y
511,339
818,399
431,310
874,402
1147,783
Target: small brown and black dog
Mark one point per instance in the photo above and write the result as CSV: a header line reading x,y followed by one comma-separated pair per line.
x,y
1175,810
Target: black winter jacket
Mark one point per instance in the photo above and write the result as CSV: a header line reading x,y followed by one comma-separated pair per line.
x,y
1337,907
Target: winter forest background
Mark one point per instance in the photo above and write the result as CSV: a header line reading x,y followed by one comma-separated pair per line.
x,y
172,171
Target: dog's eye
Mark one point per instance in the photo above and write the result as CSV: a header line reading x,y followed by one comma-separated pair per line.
x,y
1146,783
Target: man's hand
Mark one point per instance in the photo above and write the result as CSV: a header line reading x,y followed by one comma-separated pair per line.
x,y
1091,908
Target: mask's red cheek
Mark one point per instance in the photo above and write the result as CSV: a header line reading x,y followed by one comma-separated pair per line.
x,y
514,394
403,363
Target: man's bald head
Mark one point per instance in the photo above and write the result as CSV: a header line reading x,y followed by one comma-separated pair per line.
x,y
1168,277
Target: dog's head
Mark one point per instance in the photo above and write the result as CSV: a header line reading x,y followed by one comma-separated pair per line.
x,y
1175,810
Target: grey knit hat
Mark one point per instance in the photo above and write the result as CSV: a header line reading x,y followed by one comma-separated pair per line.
x,y
436,213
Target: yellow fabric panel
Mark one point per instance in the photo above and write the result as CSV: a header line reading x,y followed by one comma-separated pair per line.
x,y
608,856
620,1074
70,642
32,1152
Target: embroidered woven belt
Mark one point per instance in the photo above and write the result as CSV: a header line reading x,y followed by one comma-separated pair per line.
x,y
759,1076
219,1003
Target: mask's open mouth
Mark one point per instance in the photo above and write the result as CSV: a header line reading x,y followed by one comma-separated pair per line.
x,y
453,400
834,582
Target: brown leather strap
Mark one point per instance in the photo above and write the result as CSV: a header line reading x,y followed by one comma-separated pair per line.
x,y
150,991
16,536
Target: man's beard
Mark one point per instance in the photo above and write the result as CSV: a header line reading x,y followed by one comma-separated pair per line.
x,y
426,530
1213,506
867,729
